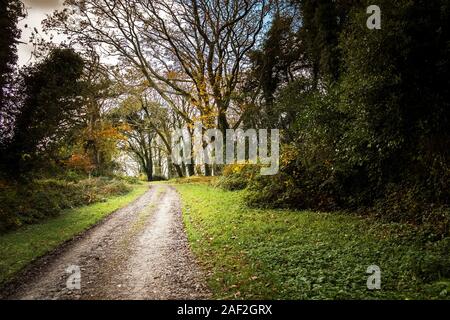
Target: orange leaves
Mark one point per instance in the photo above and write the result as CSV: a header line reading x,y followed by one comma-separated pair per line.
x,y
207,119
108,132
80,162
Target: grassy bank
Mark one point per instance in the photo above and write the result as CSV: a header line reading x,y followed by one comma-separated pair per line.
x,y
33,200
277,254
19,248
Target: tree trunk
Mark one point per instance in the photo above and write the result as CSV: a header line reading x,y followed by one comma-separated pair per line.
x,y
191,168
149,172
207,170
149,164
179,170
183,168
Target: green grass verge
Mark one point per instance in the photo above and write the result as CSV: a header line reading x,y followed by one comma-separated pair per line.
x,y
278,254
19,248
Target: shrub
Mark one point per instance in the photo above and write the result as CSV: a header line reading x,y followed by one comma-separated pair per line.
x,y
130,180
237,176
28,203
403,203
293,187
279,191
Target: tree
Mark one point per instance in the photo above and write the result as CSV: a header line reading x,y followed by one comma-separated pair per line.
x,y
51,92
394,89
98,137
192,48
275,65
322,23
139,141
134,96
148,126
10,13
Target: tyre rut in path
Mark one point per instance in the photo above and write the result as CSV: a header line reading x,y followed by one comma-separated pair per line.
x,y
138,252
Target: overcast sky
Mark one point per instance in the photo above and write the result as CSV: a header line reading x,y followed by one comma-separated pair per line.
x,y
37,11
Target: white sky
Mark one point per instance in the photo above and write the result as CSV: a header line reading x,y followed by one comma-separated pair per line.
x,y
37,11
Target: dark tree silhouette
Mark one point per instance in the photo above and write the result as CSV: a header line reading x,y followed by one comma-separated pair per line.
x,y
51,91
10,13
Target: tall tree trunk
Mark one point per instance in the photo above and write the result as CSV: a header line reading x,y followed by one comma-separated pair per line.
x,y
223,126
149,163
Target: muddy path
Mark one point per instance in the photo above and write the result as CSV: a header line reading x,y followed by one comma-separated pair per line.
x,y
138,252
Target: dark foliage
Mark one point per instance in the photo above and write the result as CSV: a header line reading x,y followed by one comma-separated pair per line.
x,y
10,13
50,92
366,117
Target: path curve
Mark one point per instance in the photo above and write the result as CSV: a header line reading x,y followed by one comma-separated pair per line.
x,y
138,252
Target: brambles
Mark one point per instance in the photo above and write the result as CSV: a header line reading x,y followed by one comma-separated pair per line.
x,y
31,202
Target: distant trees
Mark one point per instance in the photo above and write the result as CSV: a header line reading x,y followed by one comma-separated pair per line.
x,y
147,125
196,50
140,138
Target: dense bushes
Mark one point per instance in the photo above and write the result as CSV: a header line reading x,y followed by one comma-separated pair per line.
x,y
301,187
278,191
370,131
293,187
236,177
28,203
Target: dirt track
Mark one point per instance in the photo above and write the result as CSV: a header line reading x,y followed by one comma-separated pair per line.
x,y
138,252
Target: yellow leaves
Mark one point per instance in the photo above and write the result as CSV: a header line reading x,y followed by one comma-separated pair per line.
x,y
289,154
205,116
172,75
207,119
124,128
110,133
201,86
234,168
